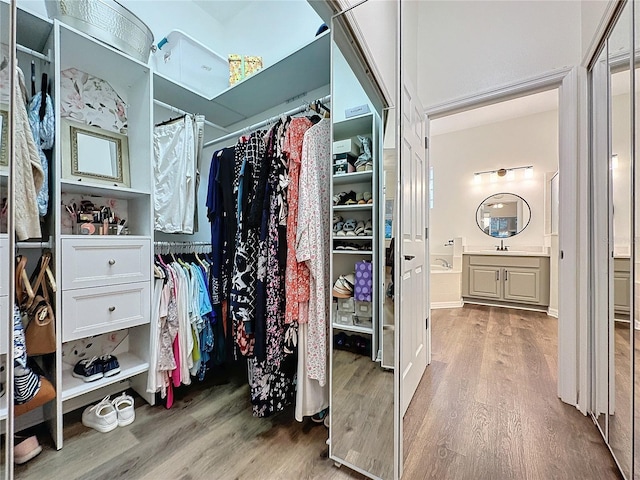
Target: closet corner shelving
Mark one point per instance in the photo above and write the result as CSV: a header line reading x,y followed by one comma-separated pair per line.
x,y
104,280
343,261
306,67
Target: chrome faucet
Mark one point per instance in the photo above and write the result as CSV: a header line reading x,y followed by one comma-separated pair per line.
x,y
502,247
445,264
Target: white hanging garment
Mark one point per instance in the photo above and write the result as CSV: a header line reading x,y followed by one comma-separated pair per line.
x,y
174,173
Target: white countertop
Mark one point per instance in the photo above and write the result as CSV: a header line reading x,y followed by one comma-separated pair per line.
x,y
508,253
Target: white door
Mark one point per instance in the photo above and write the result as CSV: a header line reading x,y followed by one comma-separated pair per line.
x,y
414,282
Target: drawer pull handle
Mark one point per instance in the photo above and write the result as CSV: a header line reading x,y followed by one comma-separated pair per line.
x,y
112,262
112,309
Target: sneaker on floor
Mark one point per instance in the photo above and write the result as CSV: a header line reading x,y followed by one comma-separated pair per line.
x,y
320,416
326,421
26,450
125,409
101,417
88,369
110,365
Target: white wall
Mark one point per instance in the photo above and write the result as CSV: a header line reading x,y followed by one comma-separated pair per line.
x,y
263,28
530,140
470,46
347,91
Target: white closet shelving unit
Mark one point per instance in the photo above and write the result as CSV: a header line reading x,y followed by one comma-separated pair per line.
x,y
105,280
343,261
94,273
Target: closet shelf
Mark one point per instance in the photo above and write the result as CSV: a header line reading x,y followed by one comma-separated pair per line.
x,y
303,71
353,252
72,387
353,237
33,31
68,186
351,127
353,328
356,177
341,208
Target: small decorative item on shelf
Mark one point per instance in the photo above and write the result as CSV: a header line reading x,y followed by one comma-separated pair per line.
x,y
242,66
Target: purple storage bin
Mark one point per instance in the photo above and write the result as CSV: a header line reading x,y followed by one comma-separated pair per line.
x,y
364,281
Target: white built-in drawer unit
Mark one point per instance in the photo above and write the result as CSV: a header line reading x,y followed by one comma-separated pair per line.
x,y
92,311
93,262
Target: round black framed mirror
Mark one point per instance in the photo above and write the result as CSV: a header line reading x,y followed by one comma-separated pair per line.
x,y
503,215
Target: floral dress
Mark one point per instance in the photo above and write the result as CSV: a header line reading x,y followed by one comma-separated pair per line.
x,y
313,241
297,274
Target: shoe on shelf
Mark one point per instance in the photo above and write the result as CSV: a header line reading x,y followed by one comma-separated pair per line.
x,y
360,200
88,369
101,416
337,219
125,409
343,286
25,450
110,365
368,228
367,197
359,230
320,416
349,226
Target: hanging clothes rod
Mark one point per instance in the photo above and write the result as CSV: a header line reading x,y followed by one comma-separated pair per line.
x,y
33,53
182,112
181,244
264,123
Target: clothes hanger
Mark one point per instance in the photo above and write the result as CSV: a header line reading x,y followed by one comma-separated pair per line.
x,y
33,78
44,83
171,120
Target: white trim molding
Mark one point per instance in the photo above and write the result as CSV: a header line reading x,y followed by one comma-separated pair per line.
x,y
440,305
540,83
553,312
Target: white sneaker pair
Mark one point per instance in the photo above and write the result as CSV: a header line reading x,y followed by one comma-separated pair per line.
x,y
109,414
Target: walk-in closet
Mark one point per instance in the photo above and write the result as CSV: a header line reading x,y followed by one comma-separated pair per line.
x,y
197,234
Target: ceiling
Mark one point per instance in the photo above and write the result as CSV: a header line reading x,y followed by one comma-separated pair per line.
x,y
498,112
224,10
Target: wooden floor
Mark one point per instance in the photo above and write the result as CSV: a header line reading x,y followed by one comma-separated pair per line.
x,y
486,409
487,406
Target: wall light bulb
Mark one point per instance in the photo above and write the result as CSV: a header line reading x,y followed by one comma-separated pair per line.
x,y
477,178
528,173
511,175
494,176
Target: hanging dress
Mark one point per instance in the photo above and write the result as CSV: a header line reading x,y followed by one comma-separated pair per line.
x,y
273,380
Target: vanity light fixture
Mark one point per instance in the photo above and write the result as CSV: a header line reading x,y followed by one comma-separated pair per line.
x,y
509,173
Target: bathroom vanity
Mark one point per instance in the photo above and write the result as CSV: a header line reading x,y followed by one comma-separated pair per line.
x,y
622,285
518,278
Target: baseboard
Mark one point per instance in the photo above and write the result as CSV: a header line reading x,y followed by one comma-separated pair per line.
x,y
553,312
516,306
438,305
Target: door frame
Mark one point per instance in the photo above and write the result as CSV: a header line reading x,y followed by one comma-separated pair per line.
x,y
573,331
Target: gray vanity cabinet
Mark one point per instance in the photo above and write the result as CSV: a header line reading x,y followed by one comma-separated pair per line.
x,y
621,285
506,278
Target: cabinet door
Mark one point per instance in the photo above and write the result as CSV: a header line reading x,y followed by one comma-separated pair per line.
x,y
522,285
485,282
621,292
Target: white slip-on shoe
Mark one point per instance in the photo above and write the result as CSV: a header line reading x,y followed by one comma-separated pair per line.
x,y
125,409
101,417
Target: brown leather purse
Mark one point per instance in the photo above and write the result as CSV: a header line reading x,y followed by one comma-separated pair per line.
x,y
40,334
